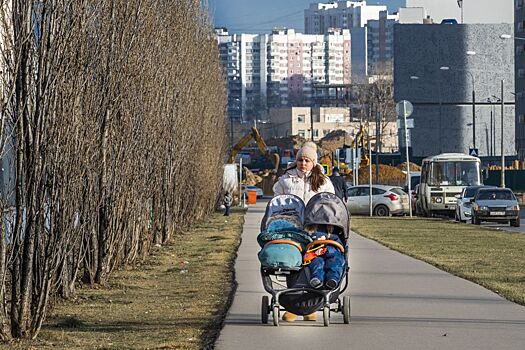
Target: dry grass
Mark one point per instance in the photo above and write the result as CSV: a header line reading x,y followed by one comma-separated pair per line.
x,y
493,259
177,300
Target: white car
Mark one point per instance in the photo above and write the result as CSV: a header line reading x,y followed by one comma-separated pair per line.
x,y
386,200
463,206
259,191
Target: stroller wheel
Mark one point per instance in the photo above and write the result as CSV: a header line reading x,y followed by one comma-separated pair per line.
x,y
276,315
346,309
265,309
326,316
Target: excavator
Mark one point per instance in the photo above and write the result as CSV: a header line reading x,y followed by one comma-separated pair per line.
x,y
255,135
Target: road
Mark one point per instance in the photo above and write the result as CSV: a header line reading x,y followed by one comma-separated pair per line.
x,y
397,303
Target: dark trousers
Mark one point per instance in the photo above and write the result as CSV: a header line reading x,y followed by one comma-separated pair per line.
x,y
226,210
331,263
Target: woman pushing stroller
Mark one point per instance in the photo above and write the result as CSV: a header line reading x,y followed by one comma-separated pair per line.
x,y
304,179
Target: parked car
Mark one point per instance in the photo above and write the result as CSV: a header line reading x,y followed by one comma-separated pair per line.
x,y
246,188
495,205
386,200
463,206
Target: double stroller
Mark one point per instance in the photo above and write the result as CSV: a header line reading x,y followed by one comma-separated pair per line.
x,y
283,273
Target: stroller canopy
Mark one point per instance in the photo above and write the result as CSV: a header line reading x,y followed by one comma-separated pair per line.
x,y
283,205
327,209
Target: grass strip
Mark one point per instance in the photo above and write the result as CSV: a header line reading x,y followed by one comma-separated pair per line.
x,y
493,259
176,300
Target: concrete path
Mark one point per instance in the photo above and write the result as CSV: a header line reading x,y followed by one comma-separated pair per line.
x,y
397,303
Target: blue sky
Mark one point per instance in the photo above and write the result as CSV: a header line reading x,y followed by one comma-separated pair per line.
x,y
260,16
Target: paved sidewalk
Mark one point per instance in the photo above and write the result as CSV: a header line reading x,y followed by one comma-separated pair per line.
x,y
397,303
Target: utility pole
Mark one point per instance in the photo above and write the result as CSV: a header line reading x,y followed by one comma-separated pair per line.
x,y
502,153
473,114
378,143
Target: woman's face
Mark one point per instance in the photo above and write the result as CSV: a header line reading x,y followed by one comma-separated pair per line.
x,y
305,164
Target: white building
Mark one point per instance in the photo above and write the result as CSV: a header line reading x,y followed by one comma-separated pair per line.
x,y
464,11
319,17
280,69
371,30
244,61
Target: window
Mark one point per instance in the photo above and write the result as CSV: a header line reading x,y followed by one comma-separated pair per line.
x,y
301,133
377,191
316,133
300,118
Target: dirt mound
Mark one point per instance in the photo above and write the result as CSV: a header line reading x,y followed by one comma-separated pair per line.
x,y
334,140
388,175
413,166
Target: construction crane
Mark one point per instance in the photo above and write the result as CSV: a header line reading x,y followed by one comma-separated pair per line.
x,y
256,136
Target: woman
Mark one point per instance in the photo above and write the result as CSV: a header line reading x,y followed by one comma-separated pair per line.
x,y
304,179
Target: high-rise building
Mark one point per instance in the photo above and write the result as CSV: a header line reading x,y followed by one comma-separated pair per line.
x,y
244,60
320,17
371,30
280,69
519,30
380,40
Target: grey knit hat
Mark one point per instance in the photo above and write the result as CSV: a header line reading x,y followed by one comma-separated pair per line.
x,y
309,150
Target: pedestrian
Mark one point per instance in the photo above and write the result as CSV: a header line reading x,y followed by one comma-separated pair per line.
x,y
339,183
305,179
227,203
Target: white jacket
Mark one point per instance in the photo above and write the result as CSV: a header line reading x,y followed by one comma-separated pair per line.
x,y
293,182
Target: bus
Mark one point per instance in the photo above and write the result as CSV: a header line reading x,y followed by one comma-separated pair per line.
x,y
443,177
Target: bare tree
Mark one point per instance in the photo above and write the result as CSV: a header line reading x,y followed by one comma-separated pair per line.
x,y
113,112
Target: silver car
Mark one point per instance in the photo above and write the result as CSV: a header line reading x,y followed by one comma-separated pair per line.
x,y
386,200
463,206
495,205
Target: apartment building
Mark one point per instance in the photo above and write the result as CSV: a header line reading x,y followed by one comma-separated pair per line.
x,y
371,30
243,57
281,68
298,61
380,42
320,17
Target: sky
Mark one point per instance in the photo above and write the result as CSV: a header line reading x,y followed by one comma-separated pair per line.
x,y
260,16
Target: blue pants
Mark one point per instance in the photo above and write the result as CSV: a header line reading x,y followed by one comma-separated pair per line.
x,y
332,262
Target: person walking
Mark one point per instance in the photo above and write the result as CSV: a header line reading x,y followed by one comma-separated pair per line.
x,y
304,179
339,183
227,203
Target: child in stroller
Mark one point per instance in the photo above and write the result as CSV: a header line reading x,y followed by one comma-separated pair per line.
x,y
284,275
325,256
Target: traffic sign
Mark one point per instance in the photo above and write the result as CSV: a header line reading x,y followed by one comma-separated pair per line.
x,y
410,123
404,108
473,152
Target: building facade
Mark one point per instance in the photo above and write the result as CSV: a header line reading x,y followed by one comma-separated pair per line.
x,y
320,17
323,120
380,50
463,11
371,30
519,32
434,71
244,60
280,69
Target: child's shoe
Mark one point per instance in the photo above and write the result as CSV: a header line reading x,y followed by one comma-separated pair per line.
x,y
311,317
289,317
331,284
316,282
